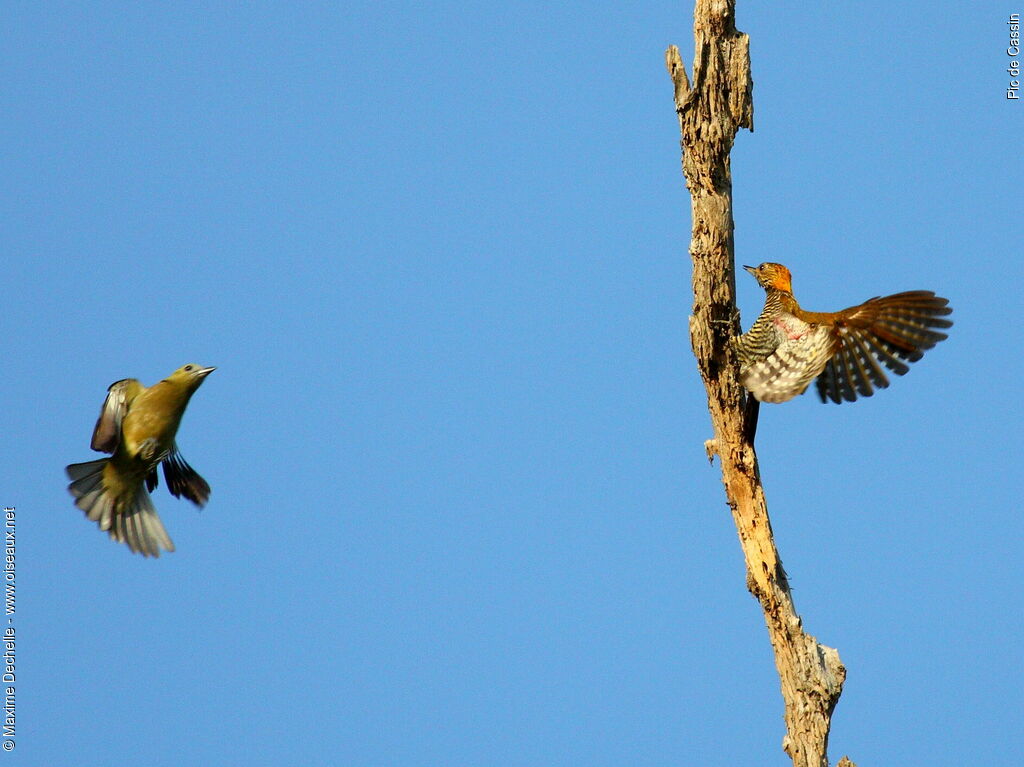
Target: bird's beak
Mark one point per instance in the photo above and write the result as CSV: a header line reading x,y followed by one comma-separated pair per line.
x,y
203,372
751,269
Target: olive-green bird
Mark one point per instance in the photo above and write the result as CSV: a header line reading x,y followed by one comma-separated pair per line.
x,y
137,425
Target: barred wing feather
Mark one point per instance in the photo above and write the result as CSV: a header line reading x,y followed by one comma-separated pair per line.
x,y
889,332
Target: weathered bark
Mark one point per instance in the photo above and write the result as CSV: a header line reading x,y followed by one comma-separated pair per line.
x,y
711,112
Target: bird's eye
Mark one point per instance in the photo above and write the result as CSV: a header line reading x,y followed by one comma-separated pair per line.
x,y
188,368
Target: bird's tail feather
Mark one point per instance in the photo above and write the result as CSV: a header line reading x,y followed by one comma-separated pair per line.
x,y
132,521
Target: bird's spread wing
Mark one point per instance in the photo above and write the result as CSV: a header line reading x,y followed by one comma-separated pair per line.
x,y
889,332
107,434
183,480
788,370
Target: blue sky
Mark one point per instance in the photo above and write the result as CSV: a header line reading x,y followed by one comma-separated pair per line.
x,y
461,512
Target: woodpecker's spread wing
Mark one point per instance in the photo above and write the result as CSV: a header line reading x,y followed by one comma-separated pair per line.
x,y
183,480
107,434
790,368
889,332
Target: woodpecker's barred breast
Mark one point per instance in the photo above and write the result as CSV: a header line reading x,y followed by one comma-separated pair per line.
x,y
787,348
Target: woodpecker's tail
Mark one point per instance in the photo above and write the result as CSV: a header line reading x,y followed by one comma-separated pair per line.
x,y
751,409
128,516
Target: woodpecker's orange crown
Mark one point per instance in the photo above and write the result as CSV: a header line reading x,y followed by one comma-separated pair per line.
x,y
770,275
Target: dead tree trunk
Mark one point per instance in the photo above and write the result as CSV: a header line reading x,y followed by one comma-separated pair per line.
x,y
711,111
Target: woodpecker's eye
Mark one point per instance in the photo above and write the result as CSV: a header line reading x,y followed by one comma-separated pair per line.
x,y
188,368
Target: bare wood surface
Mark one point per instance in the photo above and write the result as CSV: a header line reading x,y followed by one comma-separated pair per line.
x,y
711,111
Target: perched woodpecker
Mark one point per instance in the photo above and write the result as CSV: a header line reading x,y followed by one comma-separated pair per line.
x,y
787,348
137,425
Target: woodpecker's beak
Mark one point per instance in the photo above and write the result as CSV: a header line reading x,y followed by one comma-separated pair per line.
x,y
751,269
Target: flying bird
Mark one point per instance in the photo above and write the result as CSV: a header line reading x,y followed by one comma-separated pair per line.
x,y
137,426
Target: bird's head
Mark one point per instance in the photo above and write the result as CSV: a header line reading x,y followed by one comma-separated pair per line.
x,y
189,376
769,275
